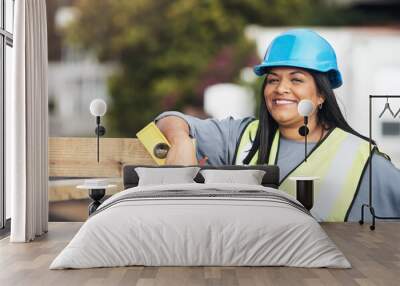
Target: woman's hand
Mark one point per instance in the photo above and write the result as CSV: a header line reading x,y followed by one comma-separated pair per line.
x,y
182,151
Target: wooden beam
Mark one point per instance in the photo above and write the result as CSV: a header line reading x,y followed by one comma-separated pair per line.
x,y
77,157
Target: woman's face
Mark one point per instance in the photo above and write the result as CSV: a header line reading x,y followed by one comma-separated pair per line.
x,y
284,89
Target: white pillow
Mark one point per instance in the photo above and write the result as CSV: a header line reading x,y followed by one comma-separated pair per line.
x,y
163,176
248,177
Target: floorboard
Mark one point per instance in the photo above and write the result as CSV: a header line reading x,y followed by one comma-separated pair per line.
x,y
374,255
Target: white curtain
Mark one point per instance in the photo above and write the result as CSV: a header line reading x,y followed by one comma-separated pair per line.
x,y
27,124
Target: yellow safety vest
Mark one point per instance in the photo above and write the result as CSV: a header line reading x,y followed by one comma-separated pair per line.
x,y
339,160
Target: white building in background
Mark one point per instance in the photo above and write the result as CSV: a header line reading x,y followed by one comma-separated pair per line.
x,y
227,99
369,61
74,81
72,86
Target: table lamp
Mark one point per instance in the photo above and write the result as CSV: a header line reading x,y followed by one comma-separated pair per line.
x,y
305,185
98,108
305,107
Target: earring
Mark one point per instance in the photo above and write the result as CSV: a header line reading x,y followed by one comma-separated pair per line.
x,y
320,106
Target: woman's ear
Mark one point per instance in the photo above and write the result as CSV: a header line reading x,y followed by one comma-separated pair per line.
x,y
320,99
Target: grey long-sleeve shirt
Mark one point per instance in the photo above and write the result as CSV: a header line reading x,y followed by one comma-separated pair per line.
x,y
217,139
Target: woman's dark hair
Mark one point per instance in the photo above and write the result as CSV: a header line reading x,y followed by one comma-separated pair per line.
x,y
329,116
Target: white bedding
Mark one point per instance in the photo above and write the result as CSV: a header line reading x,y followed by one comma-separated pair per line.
x,y
188,230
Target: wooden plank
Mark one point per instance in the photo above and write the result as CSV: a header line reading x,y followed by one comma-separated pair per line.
x,y
77,157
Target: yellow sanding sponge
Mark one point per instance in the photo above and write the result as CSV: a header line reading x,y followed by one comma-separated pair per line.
x,y
150,136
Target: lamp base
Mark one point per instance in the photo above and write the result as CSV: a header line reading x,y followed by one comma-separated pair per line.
x,y
96,195
305,193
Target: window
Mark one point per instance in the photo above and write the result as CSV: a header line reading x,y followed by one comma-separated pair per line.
x,y
6,44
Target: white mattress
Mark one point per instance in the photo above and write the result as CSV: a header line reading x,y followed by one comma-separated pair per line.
x,y
190,230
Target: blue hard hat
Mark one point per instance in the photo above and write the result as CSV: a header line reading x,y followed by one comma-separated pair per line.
x,y
304,49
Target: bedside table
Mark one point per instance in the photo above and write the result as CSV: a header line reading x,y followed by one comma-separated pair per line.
x,y
305,190
97,190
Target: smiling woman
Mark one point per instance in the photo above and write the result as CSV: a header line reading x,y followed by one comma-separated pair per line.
x,y
284,89
299,64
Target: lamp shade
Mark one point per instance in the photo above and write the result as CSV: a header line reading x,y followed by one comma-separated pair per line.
x,y
305,107
98,107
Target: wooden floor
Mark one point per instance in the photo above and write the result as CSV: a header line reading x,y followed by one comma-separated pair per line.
x,y
375,256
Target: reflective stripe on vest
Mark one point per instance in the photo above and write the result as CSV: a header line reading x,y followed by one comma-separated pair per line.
x,y
338,161
246,141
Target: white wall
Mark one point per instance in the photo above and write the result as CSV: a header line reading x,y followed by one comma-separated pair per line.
x,y
227,99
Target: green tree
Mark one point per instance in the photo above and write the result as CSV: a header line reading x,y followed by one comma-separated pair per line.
x,y
170,50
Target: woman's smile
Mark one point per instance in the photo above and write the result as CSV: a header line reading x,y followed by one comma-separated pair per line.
x,y
284,102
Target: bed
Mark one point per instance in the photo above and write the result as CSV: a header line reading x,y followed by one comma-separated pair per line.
x,y
201,224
